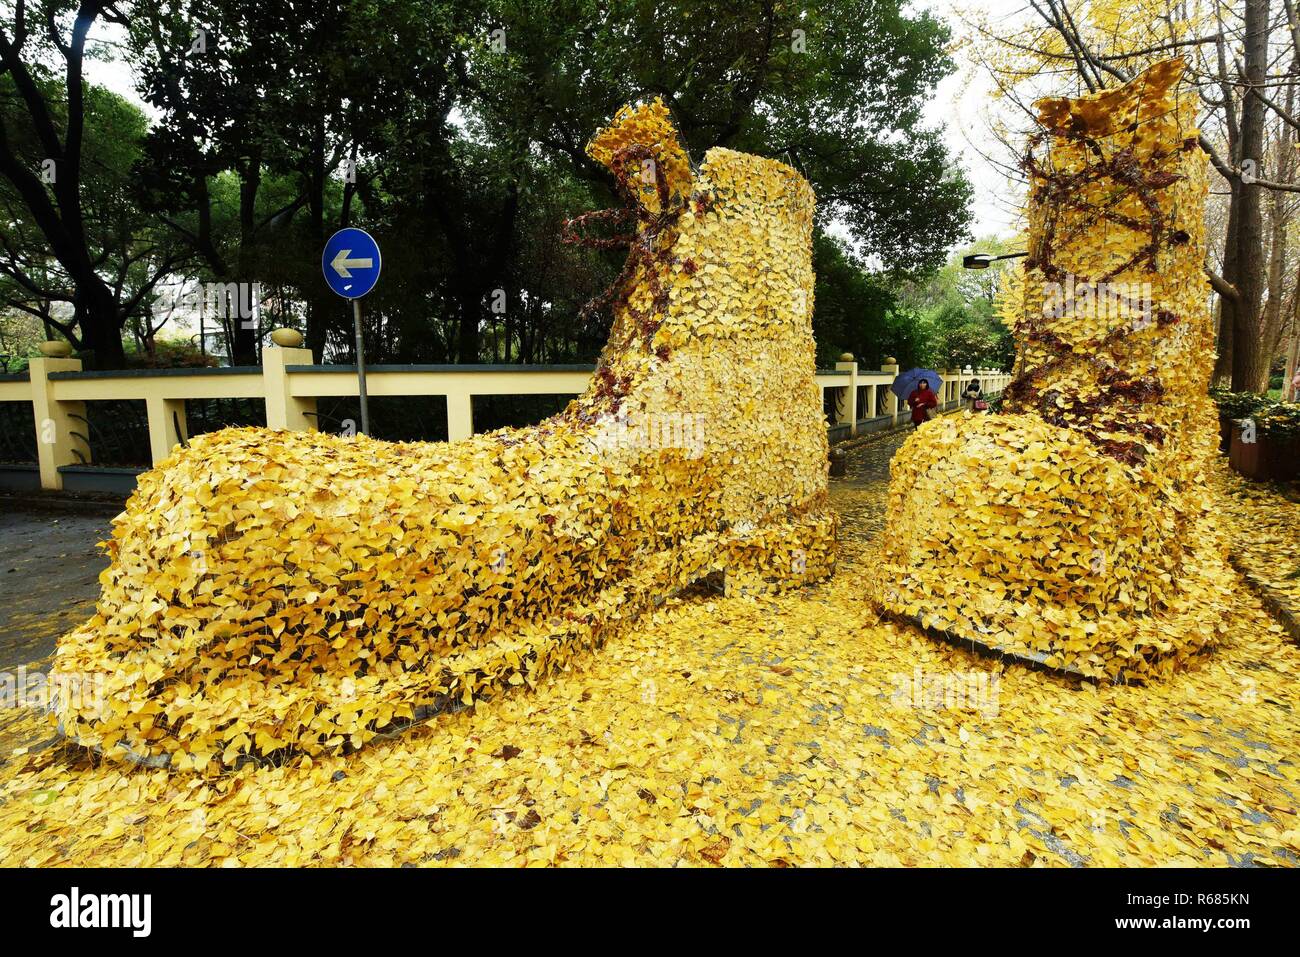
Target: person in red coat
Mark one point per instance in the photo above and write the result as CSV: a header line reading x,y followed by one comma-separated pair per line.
x,y
921,401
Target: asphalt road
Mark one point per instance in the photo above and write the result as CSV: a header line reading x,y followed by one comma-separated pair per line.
x,y
49,578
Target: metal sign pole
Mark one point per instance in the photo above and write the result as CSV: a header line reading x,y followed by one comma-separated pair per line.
x,y
350,263
361,368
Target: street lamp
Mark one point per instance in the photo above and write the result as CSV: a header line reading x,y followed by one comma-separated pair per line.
x,y
984,260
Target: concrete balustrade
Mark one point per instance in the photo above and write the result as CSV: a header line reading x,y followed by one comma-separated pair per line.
x,y
290,384
852,418
61,430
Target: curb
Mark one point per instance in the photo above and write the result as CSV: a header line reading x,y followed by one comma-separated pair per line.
x,y
1276,607
62,503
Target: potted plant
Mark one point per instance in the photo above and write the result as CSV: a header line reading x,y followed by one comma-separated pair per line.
x,y
1233,406
1264,436
1279,425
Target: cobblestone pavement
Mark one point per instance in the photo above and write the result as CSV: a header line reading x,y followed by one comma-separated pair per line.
x,y
859,495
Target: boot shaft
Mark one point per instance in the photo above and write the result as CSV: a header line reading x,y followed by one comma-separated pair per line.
x,y
712,334
1114,336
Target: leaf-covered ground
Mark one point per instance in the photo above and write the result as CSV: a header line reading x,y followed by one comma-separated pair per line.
x,y
795,730
1266,526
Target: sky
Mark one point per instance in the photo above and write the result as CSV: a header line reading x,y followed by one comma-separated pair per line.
x,y
959,108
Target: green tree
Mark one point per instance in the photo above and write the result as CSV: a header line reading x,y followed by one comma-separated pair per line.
x,y
857,311
455,133
837,88
73,232
955,308
456,111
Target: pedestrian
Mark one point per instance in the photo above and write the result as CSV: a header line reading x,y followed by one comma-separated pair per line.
x,y
974,394
921,400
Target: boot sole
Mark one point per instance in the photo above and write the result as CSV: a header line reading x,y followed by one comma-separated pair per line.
x,y
764,561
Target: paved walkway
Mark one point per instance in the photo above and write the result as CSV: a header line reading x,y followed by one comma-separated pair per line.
x,y
869,457
859,496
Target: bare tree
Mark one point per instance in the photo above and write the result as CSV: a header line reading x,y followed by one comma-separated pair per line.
x,y
1244,65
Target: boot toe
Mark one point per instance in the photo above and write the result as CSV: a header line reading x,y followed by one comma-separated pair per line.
x,y
1025,539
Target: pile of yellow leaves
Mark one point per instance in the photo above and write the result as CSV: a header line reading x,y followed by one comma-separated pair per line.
x,y
796,729
1061,560
1075,530
283,592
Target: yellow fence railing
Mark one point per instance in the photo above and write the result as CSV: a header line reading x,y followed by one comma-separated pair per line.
x,y
290,384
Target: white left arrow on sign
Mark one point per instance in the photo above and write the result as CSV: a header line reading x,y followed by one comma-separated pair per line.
x,y
342,265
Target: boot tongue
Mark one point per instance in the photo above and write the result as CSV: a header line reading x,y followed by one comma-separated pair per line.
x,y
641,146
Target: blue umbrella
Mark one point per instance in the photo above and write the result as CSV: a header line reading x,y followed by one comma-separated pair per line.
x,y
906,382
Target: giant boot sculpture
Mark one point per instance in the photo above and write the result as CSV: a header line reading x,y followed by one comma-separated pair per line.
x,y
1073,528
273,592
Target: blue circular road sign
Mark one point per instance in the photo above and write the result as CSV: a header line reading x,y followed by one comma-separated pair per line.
x,y
351,263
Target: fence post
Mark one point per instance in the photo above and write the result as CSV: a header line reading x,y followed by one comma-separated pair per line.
x,y
460,416
167,427
890,368
284,410
56,421
846,402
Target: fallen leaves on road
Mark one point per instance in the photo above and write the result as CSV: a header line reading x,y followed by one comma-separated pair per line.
x,y
1265,527
882,747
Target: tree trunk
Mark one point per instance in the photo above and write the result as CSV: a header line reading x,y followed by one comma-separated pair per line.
x,y
246,327
319,305
101,332
468,300
1292,361
1222,376
1249,364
